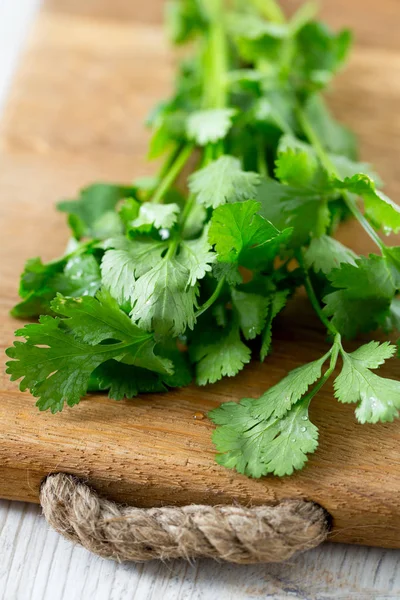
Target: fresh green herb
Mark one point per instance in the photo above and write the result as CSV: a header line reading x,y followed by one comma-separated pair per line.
x,y
154,264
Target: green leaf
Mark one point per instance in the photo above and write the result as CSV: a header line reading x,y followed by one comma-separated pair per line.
x,y
364,296
163,299
237,227
392,255
298,164
125,381
75,274
218,353
278,303
228,271
183,20
223,181
325,254
36,287
335,138
255,37
59,355
379,398
279,399
294,437
128,211
276,108
252,311
93,214
392,320
257,447
321,53
157,215
125,262
209,126
380,210
295,167
81,277
302,209
252,27
197,256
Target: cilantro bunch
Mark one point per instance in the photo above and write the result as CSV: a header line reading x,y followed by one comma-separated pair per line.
x,y
181,276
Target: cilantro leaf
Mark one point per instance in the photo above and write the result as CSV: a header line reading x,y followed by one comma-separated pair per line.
x,y
258,447
277,303
56,361
279,399
325,254
302,209
295,166
76,274
392,320
209,126
197,257
163,299
81,277
125,261
184,20
125,381
276,108
218,353
378,398
320,55
157,215
335,137
252,310
380,210
93,214
392,255
223,181
365,292
237,227
298,164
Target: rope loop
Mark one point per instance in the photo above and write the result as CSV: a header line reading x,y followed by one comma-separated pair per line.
x,y
260,534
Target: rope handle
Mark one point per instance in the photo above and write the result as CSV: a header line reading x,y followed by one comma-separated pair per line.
x,y
261,534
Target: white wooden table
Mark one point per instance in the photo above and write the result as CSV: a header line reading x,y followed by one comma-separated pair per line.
x,y
37,564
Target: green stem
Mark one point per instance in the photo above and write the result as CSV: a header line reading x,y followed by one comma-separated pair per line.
x,y
313,297
172,174
270,9
211,299
332,365
215,57
326,162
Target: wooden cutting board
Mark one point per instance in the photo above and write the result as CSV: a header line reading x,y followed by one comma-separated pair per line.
x,y
90,73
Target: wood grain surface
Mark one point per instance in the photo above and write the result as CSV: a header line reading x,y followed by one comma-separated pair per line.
x,y
75,114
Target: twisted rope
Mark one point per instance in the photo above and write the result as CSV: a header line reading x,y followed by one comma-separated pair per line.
x,y
232,533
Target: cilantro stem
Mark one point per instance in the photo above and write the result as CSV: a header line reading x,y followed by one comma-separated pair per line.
x,y
323,156
172,174
334,353
215,57
270,9
214,296
313,297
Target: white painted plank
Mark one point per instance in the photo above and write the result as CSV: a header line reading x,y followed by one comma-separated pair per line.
x,y
37,564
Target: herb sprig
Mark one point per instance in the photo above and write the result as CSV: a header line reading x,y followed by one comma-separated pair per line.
x,y
155,264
